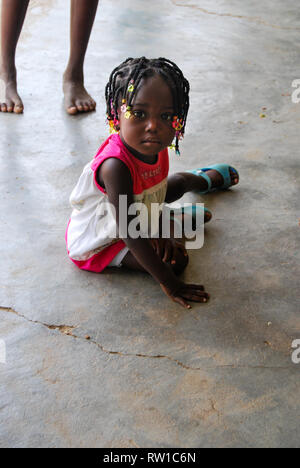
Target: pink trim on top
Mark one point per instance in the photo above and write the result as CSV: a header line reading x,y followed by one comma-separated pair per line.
x,y
113,147
99,261
143,175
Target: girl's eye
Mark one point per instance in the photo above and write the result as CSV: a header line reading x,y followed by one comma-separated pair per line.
x,y
139,114
166,117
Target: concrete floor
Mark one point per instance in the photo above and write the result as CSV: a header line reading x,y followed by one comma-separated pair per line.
x,y
154,374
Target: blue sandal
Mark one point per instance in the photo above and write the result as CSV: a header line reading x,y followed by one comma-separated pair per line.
x,y
223,169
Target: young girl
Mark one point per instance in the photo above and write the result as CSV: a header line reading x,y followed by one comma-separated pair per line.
x,y
147,107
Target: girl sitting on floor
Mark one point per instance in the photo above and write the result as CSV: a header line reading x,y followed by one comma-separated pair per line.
x,y
147,107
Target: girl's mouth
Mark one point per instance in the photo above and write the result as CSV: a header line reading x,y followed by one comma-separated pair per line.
x,y
151,142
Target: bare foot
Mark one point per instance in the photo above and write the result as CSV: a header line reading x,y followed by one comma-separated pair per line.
x,y
10,100
77,98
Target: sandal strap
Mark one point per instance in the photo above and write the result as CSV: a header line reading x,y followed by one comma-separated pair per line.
x,y
201,173
223,170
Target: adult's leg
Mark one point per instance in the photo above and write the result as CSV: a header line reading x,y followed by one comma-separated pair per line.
x,y
77,99
12,19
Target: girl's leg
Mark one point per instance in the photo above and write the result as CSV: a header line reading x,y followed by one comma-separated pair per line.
x,y
182,182
12,19
77,99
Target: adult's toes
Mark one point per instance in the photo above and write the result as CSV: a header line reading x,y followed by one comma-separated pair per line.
x,y
79,106
86,107
18,109
3,108
10,106
72,110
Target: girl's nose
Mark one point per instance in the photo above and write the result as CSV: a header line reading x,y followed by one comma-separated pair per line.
x,y
152,124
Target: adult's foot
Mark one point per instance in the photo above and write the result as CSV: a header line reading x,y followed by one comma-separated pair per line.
x,y
77,99
10,100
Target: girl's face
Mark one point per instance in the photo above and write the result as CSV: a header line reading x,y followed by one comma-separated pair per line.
x,y
149,129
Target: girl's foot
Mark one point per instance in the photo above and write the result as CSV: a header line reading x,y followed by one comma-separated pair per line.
x,y
10,100
217,178
77,98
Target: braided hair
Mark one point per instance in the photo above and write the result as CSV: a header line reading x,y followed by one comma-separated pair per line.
x,y
132,71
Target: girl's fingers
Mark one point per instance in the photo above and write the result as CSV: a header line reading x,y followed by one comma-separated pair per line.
x,y
194,289
168,253
154,245
195,297
181,247
159,250
182,302
195,286
197,291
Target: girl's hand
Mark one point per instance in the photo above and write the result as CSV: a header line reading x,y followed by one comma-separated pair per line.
x,y
179,292
167,249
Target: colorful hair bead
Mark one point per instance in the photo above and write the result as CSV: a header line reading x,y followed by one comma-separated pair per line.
x,y
177,124
131,86
179,135
126,110
113,125
174,147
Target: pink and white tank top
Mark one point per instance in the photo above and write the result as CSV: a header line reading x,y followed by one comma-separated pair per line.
x,y
91,239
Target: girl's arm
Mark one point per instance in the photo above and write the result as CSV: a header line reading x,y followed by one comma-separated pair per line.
x,y
117,180
116,177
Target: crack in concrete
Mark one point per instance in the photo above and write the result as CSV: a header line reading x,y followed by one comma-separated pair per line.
x,y
252,19
68,330
64,329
